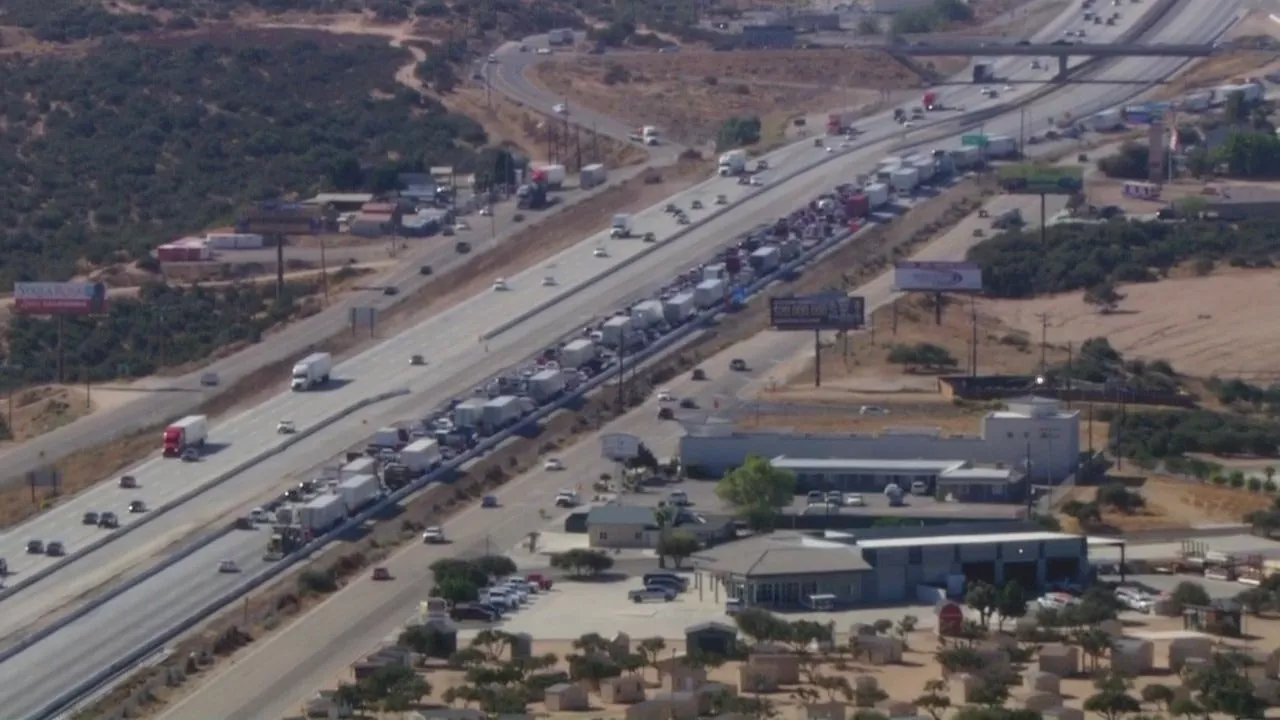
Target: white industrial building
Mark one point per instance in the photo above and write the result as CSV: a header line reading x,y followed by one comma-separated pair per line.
x,y
1034,429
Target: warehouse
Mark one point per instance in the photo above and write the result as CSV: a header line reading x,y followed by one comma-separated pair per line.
x,y
956,480
1032,429
882,566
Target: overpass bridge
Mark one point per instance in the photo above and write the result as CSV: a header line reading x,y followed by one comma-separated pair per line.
x,y
1061,49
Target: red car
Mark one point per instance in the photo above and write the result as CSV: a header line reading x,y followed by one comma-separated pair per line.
x,y
538,579
381,573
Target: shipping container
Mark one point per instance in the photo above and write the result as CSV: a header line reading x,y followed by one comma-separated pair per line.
x,y
679,307
577,353
357,492
857,206
546,385
647,314
766,259
359,466
322,514
709,292
615,329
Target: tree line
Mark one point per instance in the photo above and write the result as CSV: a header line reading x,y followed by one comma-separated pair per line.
x,y
1079,256
1152,435
106,156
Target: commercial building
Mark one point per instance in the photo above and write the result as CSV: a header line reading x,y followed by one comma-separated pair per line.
x,y
1032,429
881,566
955,480
341,202
1243,202
635,527
768,36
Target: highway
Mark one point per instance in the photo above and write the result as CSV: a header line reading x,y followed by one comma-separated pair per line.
x,y
321,645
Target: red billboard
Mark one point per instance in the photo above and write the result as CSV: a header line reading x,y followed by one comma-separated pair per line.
x,y
60,298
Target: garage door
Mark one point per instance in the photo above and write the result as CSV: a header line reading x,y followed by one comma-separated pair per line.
x,y
935,574
893,584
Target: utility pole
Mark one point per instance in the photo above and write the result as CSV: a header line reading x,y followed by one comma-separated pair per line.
x,y
1044,340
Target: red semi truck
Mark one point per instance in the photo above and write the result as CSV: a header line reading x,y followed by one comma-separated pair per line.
x,y
839,123
930,100
189,432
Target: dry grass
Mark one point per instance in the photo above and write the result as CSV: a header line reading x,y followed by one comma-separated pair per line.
x,y
1218,70
689,95
1174,503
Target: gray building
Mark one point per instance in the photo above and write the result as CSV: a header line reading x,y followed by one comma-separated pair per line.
x,y
882,566
956,480
768,36
1037,429
634,526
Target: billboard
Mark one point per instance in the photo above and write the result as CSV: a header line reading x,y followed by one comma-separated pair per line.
x,y
937,277
1041,179
828,311
60,298
619,447
277,218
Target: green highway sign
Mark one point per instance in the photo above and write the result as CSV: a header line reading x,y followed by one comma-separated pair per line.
x,y
973,140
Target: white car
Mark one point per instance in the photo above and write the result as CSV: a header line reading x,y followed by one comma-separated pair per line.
x,y
286,427
854,500
600,252
566,499
553,465
500,285
486,211
872,410
1056,601
547,281
228,566
433,535
544,51
461,226
908,124
666,396
756,181
493,58
560,109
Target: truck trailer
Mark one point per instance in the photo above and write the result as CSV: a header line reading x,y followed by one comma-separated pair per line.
x,y
905,180
839,123
1001,146
679,307
360,466
647,314
766,259
322,514
708,293
733,162
551,176
311,371
577,353
468,413
546,385
615,330
190,432
501,412
357,492
877,195
421,455
592,175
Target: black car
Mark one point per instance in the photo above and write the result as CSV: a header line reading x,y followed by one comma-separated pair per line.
x,y
90,518
688,403
128,482
738,365
108,520
471,612
678,581
35,547
55,549
666,413
391,290
137,506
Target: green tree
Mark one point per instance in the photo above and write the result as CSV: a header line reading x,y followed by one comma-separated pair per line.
x,y
1223,687
1104,297
1012,604
678,546
1112,699
760,625
757,491
580,562
983,599
1159,694
651,650
1188,593
738,132
1094,643
935,700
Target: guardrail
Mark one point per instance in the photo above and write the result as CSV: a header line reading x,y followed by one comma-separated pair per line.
x,y
80,612
122,665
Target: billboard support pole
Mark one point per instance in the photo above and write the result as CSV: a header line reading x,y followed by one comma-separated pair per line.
x,y
973,313
817,358
895,317
937,308
1044,223
60,353
279,266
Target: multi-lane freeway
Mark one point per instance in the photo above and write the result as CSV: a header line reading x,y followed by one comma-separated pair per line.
x,y
457,360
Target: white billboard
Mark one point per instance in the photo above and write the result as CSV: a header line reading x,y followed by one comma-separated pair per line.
x,y
60,298
619,447
937,277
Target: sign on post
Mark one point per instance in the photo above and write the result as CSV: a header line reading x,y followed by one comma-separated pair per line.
x,y
1030,179
937,277
277,218
619,447
974,141
60,298
827,311
363,318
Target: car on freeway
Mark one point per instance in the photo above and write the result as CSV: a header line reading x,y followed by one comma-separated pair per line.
x,y
553,464
128,482
4,567
137,506
600,252
548,281
35,547
755,181
209,379
228,566
190,455
381,573
722,200
416,359
666,396
738,365
108,520
89,518
489,501
682,219
500,285
566,499
286,427
391,291
433,535
672,209
666,413
493,58
695,205
55,549
560,109
872,410
698,374
544,51
689,403
650,237
649,594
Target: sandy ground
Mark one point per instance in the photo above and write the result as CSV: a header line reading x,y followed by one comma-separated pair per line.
x,y
690,94
1174,503
1204,326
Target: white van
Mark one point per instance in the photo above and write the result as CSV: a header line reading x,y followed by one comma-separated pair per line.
x,y
919,487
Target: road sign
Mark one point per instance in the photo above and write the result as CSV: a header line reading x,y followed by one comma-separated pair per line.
x,y
363,317
974,140
826,311
619,447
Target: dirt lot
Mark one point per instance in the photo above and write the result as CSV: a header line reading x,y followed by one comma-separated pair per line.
x,y
1191,322
690,94
1174,503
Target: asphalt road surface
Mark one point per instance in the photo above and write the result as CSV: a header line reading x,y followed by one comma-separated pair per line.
x,y
319,647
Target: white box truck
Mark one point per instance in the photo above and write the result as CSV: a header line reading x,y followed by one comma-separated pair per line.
x,y
877,195
708,293
592,175
905,180
715,271
468,413
733,162
500,412
359,491
621,226
966,157
1002,146
359,466
615,330
322,514
190,432
577,353
546,385
766,259
554,174
679,307
926,168
647,314
312,371
421,455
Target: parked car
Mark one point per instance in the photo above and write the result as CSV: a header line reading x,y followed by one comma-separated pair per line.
x,y
649,594
681,582
472,612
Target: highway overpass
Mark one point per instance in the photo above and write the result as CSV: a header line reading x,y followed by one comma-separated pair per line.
x,y
1061,49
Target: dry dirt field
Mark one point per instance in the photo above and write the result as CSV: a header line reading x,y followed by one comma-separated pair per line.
x,y
1173,503
1204,326
690,94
